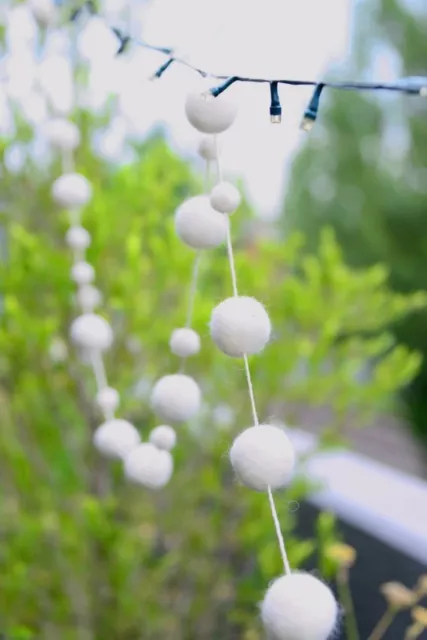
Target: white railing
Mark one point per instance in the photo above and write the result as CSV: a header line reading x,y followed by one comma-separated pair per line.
x,y
383,502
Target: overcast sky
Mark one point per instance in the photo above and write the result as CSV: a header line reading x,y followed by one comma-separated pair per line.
x,y
272,38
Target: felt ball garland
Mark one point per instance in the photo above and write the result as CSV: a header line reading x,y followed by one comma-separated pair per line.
x,y
152,465
90,332
297,606
148,464
177,397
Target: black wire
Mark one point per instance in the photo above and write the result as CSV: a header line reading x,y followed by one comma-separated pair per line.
x,y
408,87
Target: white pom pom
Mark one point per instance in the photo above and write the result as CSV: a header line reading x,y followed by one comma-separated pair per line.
x,y
240,326
88,297
108,400
207,148
116,438
208,114
90,331
163,437
262,456
199,225
77,238
82,273
44,11
176,398
62,134
225,198
149,466
71,190
298,606
185,342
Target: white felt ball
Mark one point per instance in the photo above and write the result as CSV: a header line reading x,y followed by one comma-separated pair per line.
x,y
108,399
176,398
298,606
225,198
207,148
90,331
163,437
116,438
208,114
88,297
77,238
239,326
71,190
199,225
62,134
184,342
82,273
149,466
44,11
262,456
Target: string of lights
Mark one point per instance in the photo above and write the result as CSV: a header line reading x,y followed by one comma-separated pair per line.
x,y
414,85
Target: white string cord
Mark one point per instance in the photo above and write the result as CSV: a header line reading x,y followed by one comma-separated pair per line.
x,y
233,274
251,390
193,289
95,356
196,269
231,262
196,265
279,533
98,369
191,300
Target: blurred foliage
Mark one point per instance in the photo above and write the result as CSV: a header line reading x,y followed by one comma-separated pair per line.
x,y
82,551
83,554
364,172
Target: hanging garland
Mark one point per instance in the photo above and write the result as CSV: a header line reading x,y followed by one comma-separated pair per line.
x,y
147,463
296,606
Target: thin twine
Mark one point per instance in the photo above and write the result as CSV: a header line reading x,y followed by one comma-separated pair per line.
x,y
196,264
193,289
195,273
74,218
98,369
233,273
95,356
99,372
279,533
191,299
